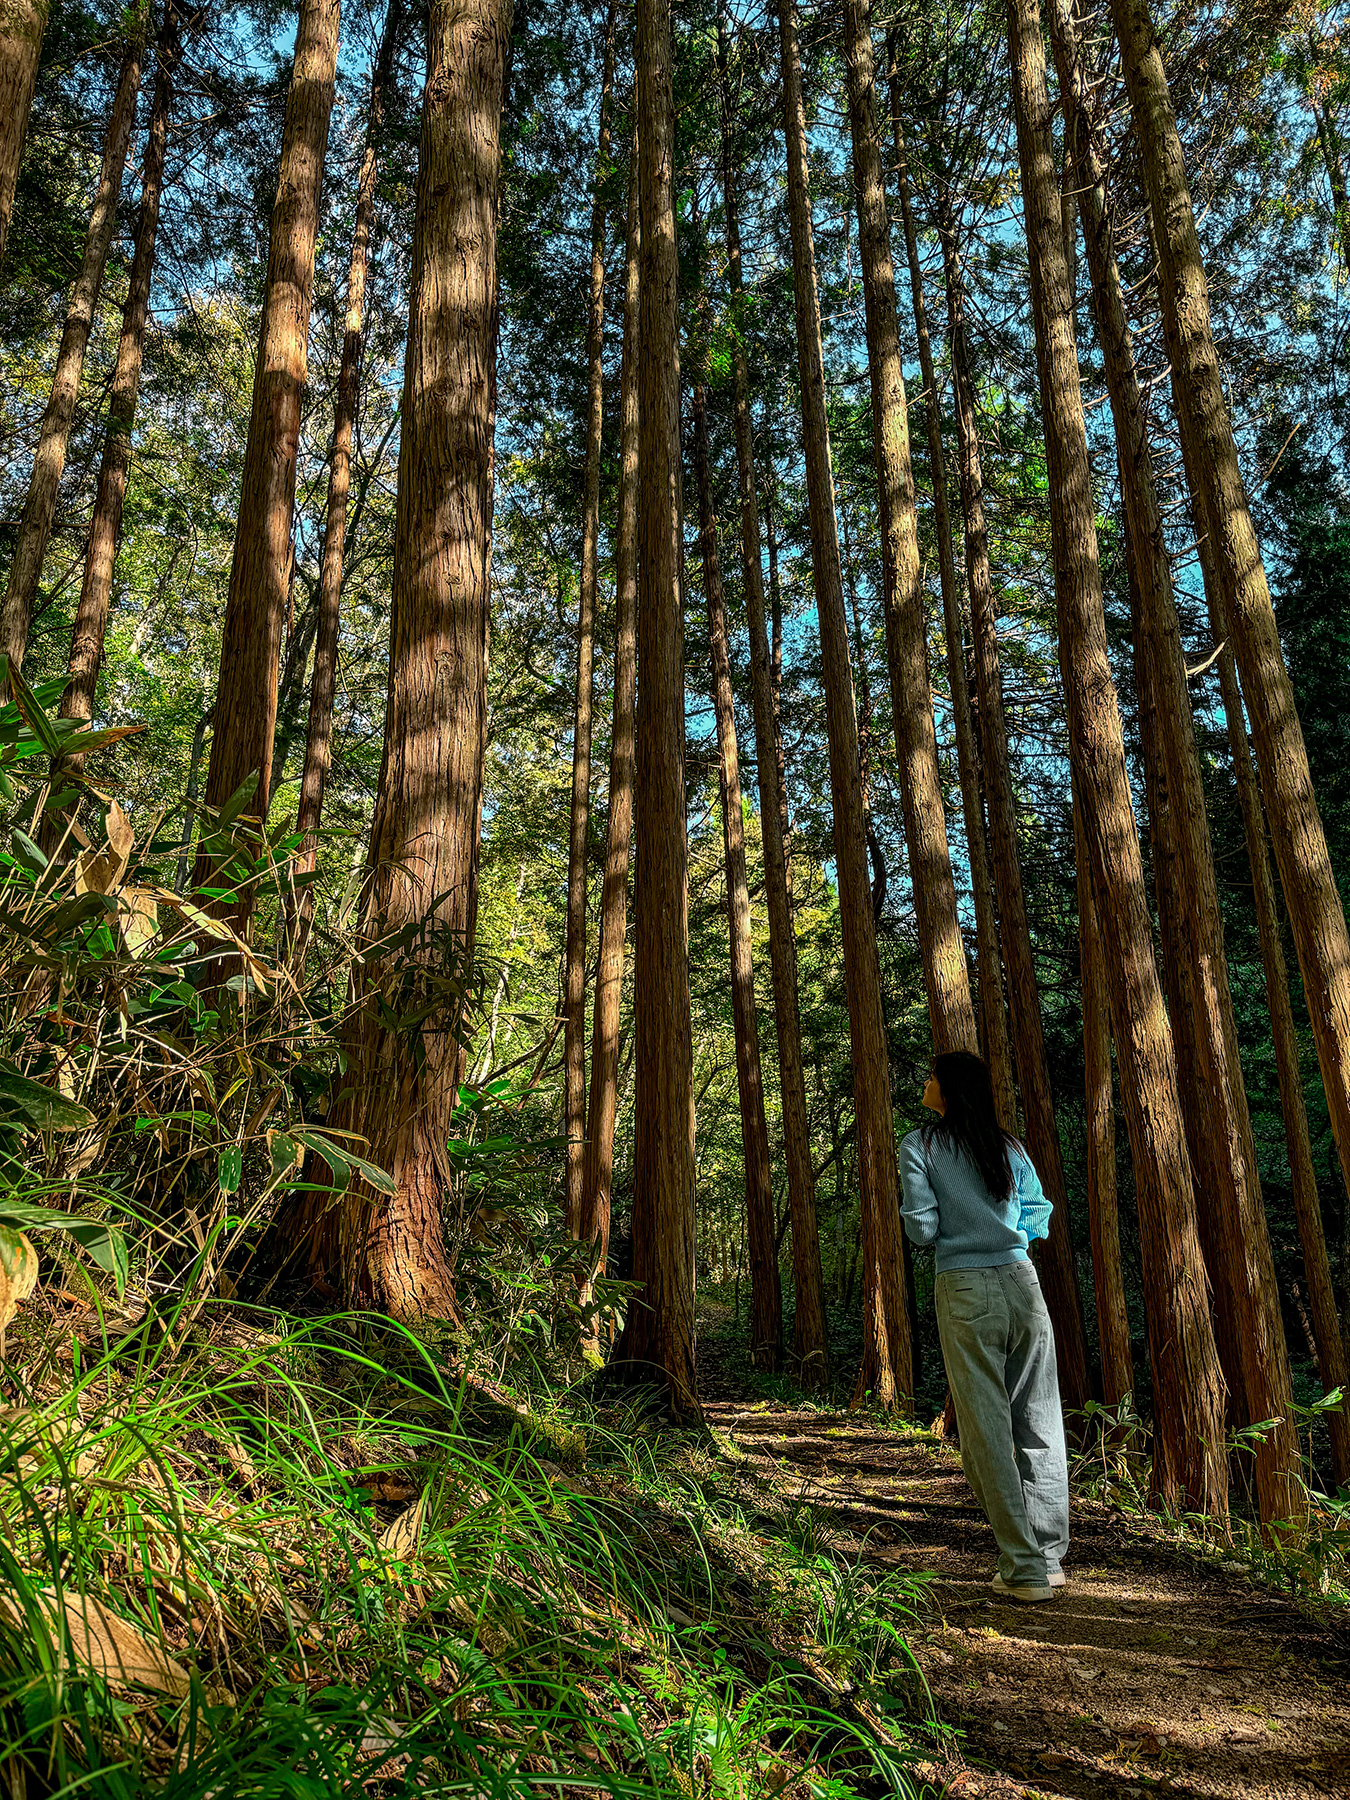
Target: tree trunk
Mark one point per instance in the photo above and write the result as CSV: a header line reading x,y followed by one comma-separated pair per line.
x,y
658,1335
886,1372
257,604
1333,1351
944,955
1242,1268
1113,1320
105,530
35,525
598,1182
993,1019
1189,1464
22,26
574,1000
1329,143
776,676
422,865
323,680
810,1342
1315,911
1055,1260
766,1294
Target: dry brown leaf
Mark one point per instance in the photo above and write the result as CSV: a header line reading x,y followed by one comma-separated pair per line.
x,y
139,918
18,1274
109,1645
398,1540
101,871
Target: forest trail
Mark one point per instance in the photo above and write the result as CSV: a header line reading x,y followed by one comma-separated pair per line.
x,y
1149,1673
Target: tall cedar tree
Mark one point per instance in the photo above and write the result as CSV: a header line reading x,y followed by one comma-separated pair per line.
x,y
766,1294
260,576
39,509
422,869
886,1373
810,1348
598,1182
1333,1353
574,1004
993,1020
1189,1464
328,603
944,956
1314,904
1242,1268
1113,1319
658,1334
105,529
1024,1001
23,23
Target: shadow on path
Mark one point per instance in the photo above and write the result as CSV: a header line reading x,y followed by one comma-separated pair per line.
x,y
1150,1672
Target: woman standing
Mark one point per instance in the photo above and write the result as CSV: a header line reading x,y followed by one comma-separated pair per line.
x,y
971,1189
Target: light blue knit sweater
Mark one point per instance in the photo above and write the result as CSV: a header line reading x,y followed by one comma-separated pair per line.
x,y
947,1203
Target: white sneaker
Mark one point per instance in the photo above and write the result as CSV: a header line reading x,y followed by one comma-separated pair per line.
x,y
1057,1578
1026,1594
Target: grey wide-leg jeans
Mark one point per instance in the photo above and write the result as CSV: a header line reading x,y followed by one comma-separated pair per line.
x,y
999,1348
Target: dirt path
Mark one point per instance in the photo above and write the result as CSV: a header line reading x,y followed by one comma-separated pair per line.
x,y
1149,1672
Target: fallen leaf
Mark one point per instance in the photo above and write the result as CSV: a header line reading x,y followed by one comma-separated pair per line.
x,y
398,1540
109,1645
18,1274
139,918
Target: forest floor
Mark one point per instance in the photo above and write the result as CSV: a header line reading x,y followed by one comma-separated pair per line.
x,y
1154,1670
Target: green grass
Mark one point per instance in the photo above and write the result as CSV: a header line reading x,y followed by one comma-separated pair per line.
x,y
334,1578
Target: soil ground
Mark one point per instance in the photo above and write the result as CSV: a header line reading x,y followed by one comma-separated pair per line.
x,y
1152,1671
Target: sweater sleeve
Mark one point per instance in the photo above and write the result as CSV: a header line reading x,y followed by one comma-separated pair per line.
x,y
1033,1209
920,1208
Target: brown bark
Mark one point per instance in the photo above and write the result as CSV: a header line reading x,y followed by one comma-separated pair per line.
x,y
105,530
422,864
1189,1464
597,1185
810,1341
22,26
776,675
886,1372
1055,1260
258,601
39,510
1315,911
574,998
1241,1266
1333,1353
993,1019
1113,1321
766,1294
658,1334
944,955
328,604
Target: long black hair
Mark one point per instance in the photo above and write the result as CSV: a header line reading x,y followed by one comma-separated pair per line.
x,y
970,1121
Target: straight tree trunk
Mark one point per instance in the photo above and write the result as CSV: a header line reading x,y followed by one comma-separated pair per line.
x,y
658,1334
1189,1463
1333,1352
258,601
39,510
944,955
886,1373
1328,141
574,1000
810,1349
1242,1268
422,865
776,674
1113,1320
598,1181
22,26
323,679
1315,911
1055,1261
105,530
993,1019
766,1294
